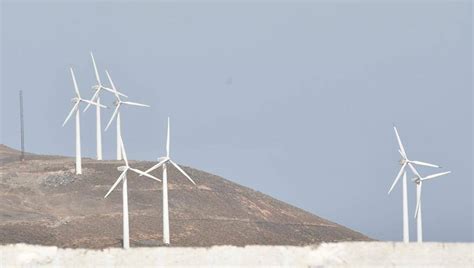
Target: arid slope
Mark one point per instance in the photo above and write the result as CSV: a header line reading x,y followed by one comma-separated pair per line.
x,y
44,202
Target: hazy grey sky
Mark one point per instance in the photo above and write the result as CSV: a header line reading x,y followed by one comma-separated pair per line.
x,y
296,100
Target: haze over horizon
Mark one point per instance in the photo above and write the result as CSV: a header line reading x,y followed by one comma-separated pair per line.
x,y
294,100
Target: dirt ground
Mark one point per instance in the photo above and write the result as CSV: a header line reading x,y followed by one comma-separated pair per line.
x,y
45,203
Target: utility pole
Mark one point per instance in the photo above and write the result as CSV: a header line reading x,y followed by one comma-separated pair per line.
x,y
22,157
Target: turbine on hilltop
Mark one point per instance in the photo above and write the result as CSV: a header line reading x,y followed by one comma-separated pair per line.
x,y
96,98
77,100
123,178
118,103
163,161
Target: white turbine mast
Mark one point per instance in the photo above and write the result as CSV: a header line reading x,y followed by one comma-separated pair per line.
x,y
118,103
163,161
404,162
96,98
123,178
77,100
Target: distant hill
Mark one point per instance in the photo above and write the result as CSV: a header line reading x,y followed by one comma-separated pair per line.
x,y
44,202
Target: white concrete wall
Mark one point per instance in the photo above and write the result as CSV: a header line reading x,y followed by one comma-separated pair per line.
x,y
355,254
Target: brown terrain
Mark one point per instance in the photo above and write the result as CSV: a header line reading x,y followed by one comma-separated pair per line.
x,y
44,202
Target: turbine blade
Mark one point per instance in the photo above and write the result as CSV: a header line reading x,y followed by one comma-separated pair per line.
x,y
75,83
168,140
135,104
93,103
94,97
113,86
418,201
112,91
95,70
123,151
435,175
144,174
400,142
403,156
113,116
116,183
74,108
156,166
414,170
397,178
424,164
182,171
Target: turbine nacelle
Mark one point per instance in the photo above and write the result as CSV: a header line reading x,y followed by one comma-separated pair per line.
x,y
163,158
122,168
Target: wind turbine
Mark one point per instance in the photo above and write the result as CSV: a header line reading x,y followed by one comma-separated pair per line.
x,y
163,161
123,178
77,100
404,162
98,87
118,103
418,180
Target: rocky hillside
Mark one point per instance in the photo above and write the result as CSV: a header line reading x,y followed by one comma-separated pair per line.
x,y
44,202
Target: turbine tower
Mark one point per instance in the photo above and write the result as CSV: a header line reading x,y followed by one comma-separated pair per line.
x,y
418,180
123,178
404,162
118,103
163,161
77,100
22,129
96,97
